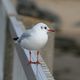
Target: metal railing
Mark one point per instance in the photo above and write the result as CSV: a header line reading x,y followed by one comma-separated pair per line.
x,y
21,69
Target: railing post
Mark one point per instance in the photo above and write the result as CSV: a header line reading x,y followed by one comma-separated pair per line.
x,y
2,38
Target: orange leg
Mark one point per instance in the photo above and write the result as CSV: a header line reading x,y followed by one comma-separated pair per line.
x,y
30,61
37,62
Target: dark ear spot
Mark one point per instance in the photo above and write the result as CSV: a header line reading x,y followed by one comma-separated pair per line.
x,y
41,27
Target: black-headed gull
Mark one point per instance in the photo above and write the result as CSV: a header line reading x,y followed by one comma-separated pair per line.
x,y
35,39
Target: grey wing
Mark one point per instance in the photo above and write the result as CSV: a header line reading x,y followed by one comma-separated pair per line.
x,y
24,35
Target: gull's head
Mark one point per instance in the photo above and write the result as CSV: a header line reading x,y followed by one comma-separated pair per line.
x,y
43,28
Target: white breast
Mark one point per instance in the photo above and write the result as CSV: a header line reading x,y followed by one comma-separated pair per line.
x,y
35,42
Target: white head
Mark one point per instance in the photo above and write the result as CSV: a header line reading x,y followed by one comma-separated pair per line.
x,y
42,27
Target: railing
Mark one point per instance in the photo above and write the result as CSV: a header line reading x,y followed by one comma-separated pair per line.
x,y
21,70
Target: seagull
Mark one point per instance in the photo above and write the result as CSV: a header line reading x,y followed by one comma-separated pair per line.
x,y
34,39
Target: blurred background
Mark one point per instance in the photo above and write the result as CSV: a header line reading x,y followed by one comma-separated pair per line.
x,y
64,17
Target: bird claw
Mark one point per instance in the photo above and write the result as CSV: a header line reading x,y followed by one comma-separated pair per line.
x,y
37,62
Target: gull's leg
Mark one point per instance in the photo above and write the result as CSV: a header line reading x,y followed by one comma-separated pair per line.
x,y
30,61
37,62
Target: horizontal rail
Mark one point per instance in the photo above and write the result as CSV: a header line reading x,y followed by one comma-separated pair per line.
x,y
43,71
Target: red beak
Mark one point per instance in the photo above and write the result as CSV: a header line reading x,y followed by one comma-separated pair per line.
x,y
51,30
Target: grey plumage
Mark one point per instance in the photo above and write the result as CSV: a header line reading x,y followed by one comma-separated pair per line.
x,y
24,35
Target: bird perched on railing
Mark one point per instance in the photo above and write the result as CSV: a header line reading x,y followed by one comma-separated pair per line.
x,y
34,39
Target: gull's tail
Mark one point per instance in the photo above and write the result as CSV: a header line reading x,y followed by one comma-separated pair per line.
x,y
16,38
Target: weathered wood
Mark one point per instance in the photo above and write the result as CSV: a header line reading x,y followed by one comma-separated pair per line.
x,y
2,38
8,7
18,72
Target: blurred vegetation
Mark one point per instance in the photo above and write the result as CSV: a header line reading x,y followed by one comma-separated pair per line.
x,y
29,8
30,12
67,45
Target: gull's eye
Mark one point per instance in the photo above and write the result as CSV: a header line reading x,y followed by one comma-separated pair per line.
x,y
45,27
